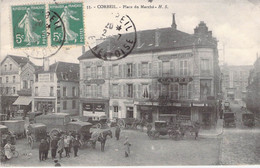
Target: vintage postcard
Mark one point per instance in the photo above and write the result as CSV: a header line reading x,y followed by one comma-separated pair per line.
x,y
130,83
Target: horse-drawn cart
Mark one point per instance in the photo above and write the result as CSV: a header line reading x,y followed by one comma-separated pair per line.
x,y
6,135
16,127
35,133
248,119
229,119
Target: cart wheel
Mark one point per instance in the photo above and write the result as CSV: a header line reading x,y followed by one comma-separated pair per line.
x,y
15,154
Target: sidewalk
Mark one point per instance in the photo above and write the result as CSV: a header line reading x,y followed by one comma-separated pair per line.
x,y
214,132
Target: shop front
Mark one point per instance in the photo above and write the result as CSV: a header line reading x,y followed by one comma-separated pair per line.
x,y
94,108
44,105
147,112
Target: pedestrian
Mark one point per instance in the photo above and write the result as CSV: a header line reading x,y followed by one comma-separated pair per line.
x,y
47,147
54,146
42,150
117,132
57,164
76,145
196,129
8,114
127,147
70,137
60,146
66,145
7,149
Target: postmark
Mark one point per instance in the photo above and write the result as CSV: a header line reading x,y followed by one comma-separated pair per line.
x,y
117,39
29,28
72,16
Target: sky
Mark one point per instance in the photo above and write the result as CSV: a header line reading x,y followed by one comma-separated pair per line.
x,y
235,24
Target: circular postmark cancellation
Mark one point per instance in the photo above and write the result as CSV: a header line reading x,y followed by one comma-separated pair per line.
x,y
117,39
32,28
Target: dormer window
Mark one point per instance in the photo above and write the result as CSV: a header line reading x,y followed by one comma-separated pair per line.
x,y
5,67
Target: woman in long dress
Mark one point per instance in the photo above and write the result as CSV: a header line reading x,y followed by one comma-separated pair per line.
x,y
65,17
27,23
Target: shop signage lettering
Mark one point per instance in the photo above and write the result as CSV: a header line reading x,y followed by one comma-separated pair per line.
x,y
181,80
94,81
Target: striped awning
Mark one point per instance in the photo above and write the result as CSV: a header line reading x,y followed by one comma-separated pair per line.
x,y
23,100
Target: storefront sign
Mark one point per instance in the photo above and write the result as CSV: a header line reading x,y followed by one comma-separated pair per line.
x,y
180,80
99,107
94,81
87,107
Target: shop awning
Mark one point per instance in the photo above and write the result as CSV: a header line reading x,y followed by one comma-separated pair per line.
x,y
23,100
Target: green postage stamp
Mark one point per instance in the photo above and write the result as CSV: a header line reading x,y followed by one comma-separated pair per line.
x,y
71,16
29,28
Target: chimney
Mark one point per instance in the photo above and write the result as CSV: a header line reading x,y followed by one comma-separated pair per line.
x,y
46,64
83,49
174,25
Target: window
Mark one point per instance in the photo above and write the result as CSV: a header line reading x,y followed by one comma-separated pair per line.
x,y
5,67
145,91
183,91
129,70
88,72
51,91
94,90
184,67
14,90
93,72
31,84
99,90
51,77
174,89
25,84
144,69
204,65
115,71
73,104
64,105
88,91
115,109
130,90
166,68
64,91
0,79
190,91
36,91
6,79
99,72
11,67
115,90
73,91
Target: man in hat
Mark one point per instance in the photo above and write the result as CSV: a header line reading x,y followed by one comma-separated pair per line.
x,y
42,149
127,147
54,147
117,132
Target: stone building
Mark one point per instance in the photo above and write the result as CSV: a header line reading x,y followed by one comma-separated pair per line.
x,y
253,89
235,81
56,88
169,73
16,81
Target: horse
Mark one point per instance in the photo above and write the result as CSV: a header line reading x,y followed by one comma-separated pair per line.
x,y
100,136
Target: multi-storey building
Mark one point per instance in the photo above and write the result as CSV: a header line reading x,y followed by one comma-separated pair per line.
x,y
169,73
253,89
235,81
56,88
16,81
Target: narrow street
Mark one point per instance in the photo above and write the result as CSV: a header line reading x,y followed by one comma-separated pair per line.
x,y
240,145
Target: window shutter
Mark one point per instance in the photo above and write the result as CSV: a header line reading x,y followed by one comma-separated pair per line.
x,y
150,69
155,69
111,94
139,70
160,68
124,70
139,91
95,72
189,67
124,90
134,70
104,72
134,91
119,108
119,91
172,68
120,71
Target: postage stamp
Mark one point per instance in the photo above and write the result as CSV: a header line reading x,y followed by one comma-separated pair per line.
x,y
71,15
117,39
29,28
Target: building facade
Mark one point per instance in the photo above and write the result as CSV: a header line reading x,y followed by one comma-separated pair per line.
x,y
16,81
56,88
253,89
235,81
168,74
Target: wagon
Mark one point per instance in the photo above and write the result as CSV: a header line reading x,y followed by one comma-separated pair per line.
x,y
101,122
229,119
248,119
80,128
35,133
227,106
6,135
16,127
162,128
55,122
33,115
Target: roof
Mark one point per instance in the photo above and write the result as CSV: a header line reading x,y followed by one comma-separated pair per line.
x,y
65,71
81,123
18,59
169,39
